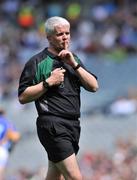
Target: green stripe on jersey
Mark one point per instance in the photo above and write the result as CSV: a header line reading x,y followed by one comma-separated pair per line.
x,y
44,69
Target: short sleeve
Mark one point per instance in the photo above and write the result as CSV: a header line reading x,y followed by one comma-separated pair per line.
x,y
27,76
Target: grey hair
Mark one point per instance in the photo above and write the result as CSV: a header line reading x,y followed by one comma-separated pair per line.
x,y
54,21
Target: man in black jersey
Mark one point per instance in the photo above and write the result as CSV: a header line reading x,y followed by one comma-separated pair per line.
x,y
53,79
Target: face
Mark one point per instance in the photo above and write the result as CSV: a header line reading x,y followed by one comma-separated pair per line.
x,y
60,37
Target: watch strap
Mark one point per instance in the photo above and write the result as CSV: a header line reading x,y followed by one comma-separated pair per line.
x,y
77,66
45,84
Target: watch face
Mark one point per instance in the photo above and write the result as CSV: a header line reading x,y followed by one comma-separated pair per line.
x,y
45,84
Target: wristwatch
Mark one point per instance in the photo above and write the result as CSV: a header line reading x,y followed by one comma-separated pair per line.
x,y
77,67
45,84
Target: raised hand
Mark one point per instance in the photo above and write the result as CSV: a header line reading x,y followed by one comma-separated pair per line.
x,y
66,56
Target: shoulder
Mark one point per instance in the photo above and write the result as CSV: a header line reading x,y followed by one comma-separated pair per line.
x,y
37,58
3,121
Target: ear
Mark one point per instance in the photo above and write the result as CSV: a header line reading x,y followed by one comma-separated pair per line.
x,y
49,38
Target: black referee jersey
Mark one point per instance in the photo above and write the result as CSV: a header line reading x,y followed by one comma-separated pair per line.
x,y
62,100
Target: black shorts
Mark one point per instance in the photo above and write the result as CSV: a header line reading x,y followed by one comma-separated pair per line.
x,y
59,136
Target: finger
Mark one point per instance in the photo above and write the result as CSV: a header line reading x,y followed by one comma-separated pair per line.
x,y
57,69
63,70
65,45
60,54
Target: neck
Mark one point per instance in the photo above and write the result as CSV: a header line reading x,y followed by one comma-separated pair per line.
x,y
53,51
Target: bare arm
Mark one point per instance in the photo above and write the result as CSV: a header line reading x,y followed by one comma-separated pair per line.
x,y
34,92
88,81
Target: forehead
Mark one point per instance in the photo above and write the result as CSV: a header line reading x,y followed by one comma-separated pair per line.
x,y
61,28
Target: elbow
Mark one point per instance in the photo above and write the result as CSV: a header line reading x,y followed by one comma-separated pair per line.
x,y
95,88
21,100
92,89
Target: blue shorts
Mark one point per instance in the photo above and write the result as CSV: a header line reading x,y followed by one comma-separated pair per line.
x,y
59,136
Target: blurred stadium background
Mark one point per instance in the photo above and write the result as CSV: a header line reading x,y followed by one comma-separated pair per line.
x,y
104,34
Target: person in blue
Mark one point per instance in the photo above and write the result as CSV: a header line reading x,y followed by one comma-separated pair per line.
x,y
8,138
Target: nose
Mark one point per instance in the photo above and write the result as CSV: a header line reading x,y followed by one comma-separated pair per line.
x,y
65,36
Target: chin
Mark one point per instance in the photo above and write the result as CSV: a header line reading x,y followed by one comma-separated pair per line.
x,y
60,49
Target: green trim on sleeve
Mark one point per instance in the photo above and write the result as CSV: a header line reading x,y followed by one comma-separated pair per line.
x,y
77,59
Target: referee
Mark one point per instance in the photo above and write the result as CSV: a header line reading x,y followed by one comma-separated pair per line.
x,y
52,79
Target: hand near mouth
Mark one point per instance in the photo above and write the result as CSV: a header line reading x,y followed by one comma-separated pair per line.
x,y
67,56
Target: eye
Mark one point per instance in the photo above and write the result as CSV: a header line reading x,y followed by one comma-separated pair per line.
x,y
59,34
